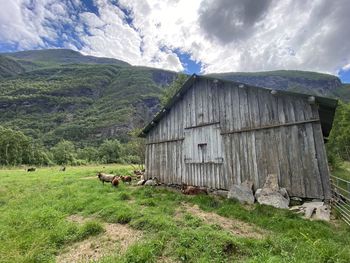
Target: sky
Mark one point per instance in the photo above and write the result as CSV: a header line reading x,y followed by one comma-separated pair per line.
x,y
193,36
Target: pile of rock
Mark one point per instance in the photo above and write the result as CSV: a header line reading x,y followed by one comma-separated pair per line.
x,y
274,195
316,210
270,194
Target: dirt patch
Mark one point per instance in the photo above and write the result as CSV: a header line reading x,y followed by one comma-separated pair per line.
x,y
79,219
234,226
116,239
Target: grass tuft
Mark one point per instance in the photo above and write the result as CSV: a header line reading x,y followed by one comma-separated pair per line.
x,y
90,228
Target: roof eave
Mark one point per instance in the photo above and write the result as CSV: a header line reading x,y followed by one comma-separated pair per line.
x,y
163,111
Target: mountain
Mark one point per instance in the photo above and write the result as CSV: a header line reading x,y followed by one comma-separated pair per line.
x,y
343,92
82,102
55,94
292,80
53,57
9,67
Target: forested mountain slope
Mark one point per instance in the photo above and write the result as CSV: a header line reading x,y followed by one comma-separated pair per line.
x,y
60,94
85,102
9,67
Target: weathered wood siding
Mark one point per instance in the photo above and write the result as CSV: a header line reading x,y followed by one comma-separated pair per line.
x,y
218,134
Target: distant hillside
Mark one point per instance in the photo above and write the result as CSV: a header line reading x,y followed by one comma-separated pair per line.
x,y
9,67
292,80
343,92
52,57
55,94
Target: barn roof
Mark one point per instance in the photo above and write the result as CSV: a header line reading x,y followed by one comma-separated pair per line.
x,y
327,106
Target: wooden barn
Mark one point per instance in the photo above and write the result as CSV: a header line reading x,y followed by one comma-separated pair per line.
x,y
215,133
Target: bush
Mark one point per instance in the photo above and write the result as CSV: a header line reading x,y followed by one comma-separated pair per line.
x,y
109,151
130,159
64,152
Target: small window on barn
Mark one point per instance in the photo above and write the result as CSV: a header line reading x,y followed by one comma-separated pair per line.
x,y
202,147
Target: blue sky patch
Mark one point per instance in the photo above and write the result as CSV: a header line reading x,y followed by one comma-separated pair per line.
x,y
190,65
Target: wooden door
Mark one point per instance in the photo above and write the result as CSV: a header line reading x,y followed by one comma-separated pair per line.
x,y
203,156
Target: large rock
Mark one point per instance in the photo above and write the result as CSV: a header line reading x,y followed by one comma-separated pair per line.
x,y
271,183
322,213
316,210
274,199
242,192
271,194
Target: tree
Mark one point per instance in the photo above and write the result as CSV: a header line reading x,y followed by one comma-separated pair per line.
x,y
172,89
134,150
17,148
14,147
63,152
89,154
338,146
109,151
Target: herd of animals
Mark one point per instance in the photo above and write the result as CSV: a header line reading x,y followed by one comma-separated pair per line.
x,y
138,175
115,179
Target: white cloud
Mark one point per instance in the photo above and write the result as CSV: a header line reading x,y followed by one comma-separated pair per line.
x,y
224,35
14,28
30,24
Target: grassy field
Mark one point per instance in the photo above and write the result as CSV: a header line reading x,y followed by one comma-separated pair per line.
x,y
49,216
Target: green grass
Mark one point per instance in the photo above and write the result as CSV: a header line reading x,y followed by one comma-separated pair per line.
x,y
34,207
343,171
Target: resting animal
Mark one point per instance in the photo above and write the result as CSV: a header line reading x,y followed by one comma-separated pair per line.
x,y
115,181
126,179
192,190
152,182
105,177
31,169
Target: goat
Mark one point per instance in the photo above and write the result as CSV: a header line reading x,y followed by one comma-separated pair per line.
x,y
154,181
192,190
138,172
115,181
141,182
63,169
126,179
31,169
105,177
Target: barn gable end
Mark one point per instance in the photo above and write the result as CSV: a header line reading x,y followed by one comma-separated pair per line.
x,y
216,133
